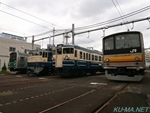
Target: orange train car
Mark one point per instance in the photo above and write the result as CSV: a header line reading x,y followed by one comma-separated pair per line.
x,y
124,57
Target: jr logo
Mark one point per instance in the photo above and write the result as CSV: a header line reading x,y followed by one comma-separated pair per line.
x,y
133,51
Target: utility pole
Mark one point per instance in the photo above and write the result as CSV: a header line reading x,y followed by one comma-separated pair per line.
x,y
53,35
32,42
114,25
101,28
73,34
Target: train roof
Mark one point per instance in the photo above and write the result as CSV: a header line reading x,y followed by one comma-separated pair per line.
x,y
122,33
41,50
20,53
81,48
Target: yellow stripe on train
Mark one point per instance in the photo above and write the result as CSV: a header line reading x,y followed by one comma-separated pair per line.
x,y
123,58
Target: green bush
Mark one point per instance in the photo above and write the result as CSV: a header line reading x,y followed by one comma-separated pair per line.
x,y
4,68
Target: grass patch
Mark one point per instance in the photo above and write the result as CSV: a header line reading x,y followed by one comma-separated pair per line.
x,y
4,72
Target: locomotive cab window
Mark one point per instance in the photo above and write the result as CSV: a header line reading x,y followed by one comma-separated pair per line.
x,y
68,50
59,51
44,54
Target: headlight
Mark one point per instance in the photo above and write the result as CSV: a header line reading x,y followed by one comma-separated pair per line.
x,y
66,57
53,58
136,58
107,59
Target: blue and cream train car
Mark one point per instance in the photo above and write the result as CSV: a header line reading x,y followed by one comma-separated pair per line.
x,y
40,62
73,60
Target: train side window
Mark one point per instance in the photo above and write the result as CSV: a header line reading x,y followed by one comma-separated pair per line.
x,y
41,53
80,55
100,58
83,55
92,57
96,58
75,55
45,55
89,57
86,56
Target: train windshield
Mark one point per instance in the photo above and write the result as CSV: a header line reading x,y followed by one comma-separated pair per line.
x,y
68,50
127,41
34,53
13,57
59,50
122,41
109,43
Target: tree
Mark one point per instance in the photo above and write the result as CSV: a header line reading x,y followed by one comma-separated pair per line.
x,y
4,68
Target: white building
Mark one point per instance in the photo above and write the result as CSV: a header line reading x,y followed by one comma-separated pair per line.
x,y
8,45
11,36
147,58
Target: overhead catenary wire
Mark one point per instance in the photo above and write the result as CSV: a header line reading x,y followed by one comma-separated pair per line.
x,y
119,11
114,25
111,20
100,28
24,19
32,21
114,19
30,14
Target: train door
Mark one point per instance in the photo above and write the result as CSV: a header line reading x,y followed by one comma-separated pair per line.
x,y
59,57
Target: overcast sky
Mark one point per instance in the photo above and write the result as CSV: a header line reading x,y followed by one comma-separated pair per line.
x,y
61,14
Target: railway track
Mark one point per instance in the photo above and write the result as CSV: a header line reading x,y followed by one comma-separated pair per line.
x,y
97,110
82,95
70,100
20,80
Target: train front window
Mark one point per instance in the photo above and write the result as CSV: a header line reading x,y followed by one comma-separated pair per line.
x,y
127,41
109,43
13,57
59,51
68,50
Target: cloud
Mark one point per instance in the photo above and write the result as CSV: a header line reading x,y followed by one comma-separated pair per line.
x,y
61,14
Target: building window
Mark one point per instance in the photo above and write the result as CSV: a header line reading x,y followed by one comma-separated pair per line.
x,y
11,49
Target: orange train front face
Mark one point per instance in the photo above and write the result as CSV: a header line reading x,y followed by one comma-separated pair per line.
x,y
123,58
